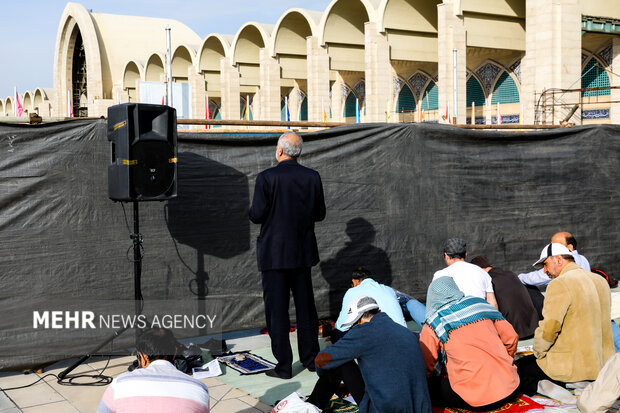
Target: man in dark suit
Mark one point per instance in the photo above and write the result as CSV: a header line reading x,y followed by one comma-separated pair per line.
x,y
288,200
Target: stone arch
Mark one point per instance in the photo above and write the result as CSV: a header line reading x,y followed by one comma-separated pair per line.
x,y
132,74
27,102
411,28
77,41
182,59
2,107
288,41
246,46
342,32
8,106
214,48
39,101
154,70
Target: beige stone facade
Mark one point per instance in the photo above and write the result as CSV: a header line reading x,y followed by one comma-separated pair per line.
x,y
387,58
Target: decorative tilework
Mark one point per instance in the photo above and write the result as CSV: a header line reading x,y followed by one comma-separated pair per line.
x,y
344,92
516,69
360,91
505,119
300,95
397,83
488,73
595,114
418,81
479,121
607,55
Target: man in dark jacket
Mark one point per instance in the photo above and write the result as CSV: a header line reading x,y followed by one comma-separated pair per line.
x,y
391,377
288,200
512,298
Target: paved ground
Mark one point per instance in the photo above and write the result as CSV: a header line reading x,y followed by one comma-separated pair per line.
x,y
50,397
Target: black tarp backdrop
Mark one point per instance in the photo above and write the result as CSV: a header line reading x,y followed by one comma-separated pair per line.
x,y
394,193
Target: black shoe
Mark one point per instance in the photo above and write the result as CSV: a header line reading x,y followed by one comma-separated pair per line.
x,y
273,373
311,367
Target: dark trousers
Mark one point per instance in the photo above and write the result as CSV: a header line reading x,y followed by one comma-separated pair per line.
x,y
328,384
530,374
442,394
277,286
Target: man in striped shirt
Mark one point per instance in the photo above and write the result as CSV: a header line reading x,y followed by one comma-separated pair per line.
x,y
157,386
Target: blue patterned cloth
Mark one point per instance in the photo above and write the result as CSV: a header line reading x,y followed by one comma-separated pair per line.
x,y
447,309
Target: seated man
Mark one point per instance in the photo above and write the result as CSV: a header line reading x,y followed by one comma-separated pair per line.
x,y
574,339
363,285
538,277
512,298
157,386
391,374
470,278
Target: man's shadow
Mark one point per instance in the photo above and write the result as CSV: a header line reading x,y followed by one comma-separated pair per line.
x,y
209,214
357,252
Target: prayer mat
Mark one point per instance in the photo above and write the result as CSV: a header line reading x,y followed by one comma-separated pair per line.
x,y
339,405
522,404
246,363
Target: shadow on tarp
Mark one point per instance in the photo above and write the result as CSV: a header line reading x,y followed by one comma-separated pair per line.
x,y
358,251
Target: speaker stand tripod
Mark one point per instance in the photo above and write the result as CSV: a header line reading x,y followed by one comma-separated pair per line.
x,y
137,286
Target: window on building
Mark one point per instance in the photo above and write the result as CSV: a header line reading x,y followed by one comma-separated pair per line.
x,y
349,105
303,110
505,90
594,75
406,101
430,97
475,93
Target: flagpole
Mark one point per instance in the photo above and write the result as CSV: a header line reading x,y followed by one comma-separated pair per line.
x,y
499,115
473,113
357,111
168,67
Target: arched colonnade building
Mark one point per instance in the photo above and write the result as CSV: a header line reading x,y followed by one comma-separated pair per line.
x,y
372,57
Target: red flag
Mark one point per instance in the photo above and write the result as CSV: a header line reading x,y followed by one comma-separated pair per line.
x,y
163,102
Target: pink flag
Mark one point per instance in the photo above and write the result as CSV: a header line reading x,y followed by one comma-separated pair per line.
x,y
19,109
207,111
448,114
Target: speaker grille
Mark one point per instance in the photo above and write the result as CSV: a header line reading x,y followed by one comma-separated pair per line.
x,y
154,172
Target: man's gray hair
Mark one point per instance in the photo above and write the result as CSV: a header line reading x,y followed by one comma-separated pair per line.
x,y
290,147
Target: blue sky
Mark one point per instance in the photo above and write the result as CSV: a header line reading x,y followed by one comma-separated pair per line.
x,y
29,28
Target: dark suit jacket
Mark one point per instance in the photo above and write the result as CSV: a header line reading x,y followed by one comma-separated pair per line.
x,y
288,200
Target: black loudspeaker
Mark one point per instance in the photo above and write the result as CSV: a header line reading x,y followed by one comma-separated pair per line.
x,y
144,152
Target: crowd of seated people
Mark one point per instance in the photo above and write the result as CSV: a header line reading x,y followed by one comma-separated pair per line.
x,y
464,356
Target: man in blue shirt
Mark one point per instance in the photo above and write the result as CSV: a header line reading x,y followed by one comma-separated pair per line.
x,y
363,285
391,377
